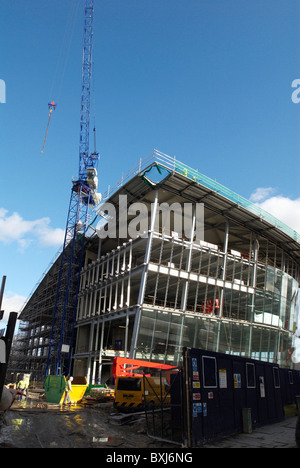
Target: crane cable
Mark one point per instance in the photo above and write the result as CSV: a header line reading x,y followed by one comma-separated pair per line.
x,y
62,62
64,52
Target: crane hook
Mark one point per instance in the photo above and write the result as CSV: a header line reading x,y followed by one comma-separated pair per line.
x,y
51,106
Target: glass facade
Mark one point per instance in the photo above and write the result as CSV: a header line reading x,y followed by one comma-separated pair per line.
x,y
162,336
235,304
240,302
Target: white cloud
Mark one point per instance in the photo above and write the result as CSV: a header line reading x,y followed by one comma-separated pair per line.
x,y
14,228
283,208
12,302
261,193
47,235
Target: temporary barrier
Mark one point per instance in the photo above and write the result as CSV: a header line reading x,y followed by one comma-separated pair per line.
x,y
290,385
165,420
6,341
225,388
215,395
55,386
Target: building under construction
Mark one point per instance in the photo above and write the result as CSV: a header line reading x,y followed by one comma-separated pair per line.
x,y
202,268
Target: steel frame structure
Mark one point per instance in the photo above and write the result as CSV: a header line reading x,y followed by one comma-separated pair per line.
x,y
114,283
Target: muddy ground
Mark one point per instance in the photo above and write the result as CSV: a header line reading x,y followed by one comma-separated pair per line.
x,y
34,424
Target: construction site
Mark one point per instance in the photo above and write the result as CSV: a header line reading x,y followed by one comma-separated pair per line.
x,y
172,304
148,297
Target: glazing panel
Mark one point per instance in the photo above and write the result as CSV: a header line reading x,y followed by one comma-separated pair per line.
x,y
147,325
256,343
234,307
175,332
225,337
160,334
260,277
270,278
205,334
245,310
276,321
277,282
240,339
189,331
212,338
273,345
264,344
259,306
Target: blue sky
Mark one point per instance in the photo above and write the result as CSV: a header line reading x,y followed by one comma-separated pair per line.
x,y
206,80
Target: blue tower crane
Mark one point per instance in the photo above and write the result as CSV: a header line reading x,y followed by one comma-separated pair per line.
x,y
83,196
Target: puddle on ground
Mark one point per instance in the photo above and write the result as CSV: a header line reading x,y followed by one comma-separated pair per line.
x,y
17,423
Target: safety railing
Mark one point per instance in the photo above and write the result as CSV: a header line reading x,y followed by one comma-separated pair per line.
x,y
194,175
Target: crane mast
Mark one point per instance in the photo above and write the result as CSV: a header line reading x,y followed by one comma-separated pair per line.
x,y
83,196
86,160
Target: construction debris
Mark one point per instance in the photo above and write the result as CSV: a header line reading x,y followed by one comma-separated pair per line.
x,y
99,395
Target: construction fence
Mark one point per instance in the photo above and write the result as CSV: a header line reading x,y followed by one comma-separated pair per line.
x,y
214,395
